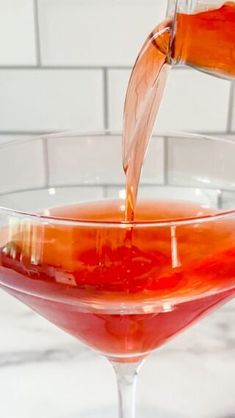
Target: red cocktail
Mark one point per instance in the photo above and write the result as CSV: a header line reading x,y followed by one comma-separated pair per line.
x,y
124,288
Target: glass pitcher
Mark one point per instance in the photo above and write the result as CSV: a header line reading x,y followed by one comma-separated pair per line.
x,y
203,35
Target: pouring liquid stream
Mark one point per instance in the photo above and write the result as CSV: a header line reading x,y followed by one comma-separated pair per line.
x,y
203,40
142,102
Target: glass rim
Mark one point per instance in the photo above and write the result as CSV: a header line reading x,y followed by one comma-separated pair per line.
x,y
45,219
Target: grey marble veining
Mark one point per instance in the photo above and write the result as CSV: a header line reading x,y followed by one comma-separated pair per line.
x,y
47,373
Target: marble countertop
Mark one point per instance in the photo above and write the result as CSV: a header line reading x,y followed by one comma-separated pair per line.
x,y
45,373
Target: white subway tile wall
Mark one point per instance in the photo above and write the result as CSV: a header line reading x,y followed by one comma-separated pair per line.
x,y
154,164
117,85
228,200
65,64
46,198
193,101
17,32
91,32
5,138
232,109
198,163
81,160
34,100
22,166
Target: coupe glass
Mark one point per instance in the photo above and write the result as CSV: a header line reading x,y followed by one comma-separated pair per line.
x,y
123,298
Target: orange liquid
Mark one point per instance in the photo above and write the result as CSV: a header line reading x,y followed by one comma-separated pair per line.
x,y
204,40
143,98
123,300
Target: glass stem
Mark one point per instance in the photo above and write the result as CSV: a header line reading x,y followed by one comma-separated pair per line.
x,y
126,374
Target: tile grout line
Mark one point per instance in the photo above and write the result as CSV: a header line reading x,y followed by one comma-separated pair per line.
x,y
230,107
165,159
105,191
40,66
62,67
220,200
46,161
37,34
25,132
114,131
105,99
103,186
